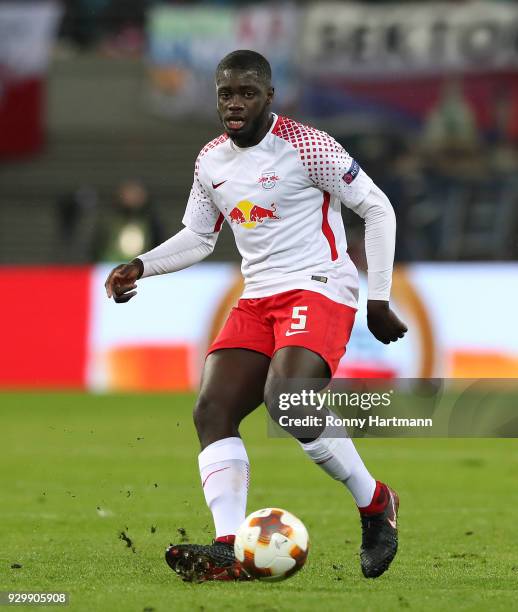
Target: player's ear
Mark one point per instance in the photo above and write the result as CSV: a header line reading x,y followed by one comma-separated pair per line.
x,y
269,95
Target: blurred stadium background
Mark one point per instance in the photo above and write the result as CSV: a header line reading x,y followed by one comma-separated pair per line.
x,y
104,105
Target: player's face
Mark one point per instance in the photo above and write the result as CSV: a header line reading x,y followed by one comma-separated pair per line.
x,y
244,105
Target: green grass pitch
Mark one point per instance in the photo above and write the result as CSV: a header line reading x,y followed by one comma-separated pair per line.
x,y
78,470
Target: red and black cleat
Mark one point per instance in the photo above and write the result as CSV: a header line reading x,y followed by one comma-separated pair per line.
x,y
379,531
199,563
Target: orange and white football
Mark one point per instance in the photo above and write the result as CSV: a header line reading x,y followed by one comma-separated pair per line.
x,y
272,544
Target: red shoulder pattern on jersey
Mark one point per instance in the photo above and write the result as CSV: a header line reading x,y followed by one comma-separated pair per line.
x,y
321,155
210,145
214,143
200,200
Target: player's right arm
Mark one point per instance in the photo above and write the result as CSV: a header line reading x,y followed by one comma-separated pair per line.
x,y
190,245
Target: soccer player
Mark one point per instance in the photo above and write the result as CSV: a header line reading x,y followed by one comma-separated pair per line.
x,y
279,185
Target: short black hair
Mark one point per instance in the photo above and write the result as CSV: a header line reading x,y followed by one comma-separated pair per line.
x,y
244,59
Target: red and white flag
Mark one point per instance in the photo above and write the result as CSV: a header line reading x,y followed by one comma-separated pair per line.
x,y
27,31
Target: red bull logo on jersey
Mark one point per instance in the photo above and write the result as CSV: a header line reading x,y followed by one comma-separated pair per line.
x,y
248,215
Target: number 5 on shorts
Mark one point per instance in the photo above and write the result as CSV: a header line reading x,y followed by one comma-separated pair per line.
x,y
299,320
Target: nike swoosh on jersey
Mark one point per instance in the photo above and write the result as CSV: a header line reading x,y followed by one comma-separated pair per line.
x,y
216,185
292,333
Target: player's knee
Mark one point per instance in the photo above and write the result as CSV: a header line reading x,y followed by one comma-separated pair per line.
x,y
213,417
204,414
271,400
273,405
213,420
297,420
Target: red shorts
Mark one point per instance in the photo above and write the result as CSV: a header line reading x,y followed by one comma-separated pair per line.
x,y
293,318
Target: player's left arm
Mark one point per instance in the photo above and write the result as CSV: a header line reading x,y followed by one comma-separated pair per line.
x,y
344,179
380,236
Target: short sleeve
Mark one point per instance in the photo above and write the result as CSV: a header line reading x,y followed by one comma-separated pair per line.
x,y
201,215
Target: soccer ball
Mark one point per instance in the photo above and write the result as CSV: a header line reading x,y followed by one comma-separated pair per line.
x,y
271,544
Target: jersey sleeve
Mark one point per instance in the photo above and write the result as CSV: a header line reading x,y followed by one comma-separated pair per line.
x,y
380,240
333,170
181,251
201,214
326,162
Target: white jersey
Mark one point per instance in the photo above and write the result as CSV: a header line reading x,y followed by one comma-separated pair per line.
x,y
282,199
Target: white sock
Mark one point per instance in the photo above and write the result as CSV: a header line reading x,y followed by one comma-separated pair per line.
x,y
340,459
224,472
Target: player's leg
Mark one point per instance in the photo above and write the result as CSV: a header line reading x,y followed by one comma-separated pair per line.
x,y
326,327
336,456
232,387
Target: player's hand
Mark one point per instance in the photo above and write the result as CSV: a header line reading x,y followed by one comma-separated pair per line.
x,y
383,323
120,283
